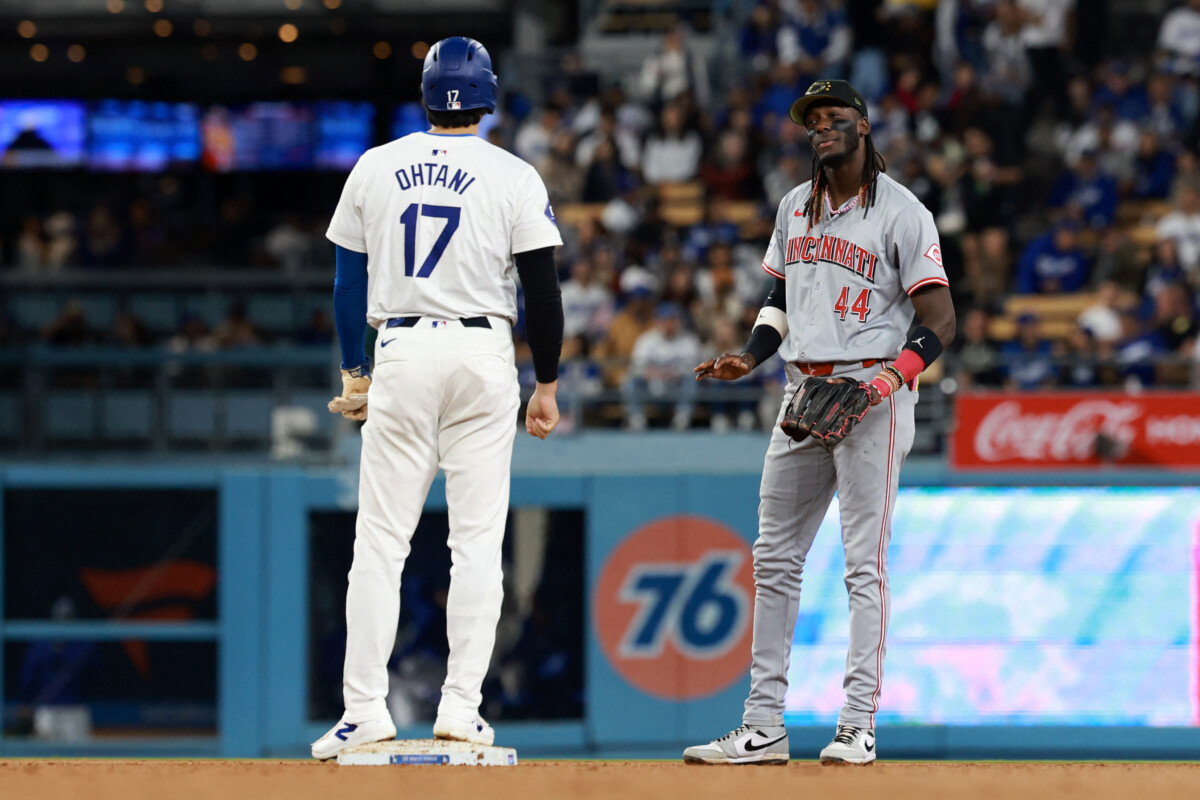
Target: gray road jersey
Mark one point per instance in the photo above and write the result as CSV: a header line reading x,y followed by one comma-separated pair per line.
x,y
849,278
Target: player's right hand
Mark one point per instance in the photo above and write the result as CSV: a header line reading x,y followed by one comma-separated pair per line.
x,y
725,367
541,414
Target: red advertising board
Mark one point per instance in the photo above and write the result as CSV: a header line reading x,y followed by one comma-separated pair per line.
x,y
1070,430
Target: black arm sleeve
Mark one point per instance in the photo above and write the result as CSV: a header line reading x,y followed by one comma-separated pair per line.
x,y
764,339
543,310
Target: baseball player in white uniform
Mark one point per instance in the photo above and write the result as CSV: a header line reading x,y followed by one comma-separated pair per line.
x,y
428,230
854,254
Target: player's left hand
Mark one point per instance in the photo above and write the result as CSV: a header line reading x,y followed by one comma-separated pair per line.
x,y
352,403
541,415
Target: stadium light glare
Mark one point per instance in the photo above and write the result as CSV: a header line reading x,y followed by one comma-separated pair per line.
x,y
288,33
163,28
419,50
76,53
247,52
154,6
39,52
382,50
115,6
202,27
293,5
333,5
26,29
136,76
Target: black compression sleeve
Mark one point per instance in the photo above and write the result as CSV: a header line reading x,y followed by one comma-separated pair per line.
x,y
764,339
543,310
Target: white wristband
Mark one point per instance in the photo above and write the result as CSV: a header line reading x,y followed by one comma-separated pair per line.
x,y
775,317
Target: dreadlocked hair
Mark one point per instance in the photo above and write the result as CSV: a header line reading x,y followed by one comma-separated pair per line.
x,y
873,165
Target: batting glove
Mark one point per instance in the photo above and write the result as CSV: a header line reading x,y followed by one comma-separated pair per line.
x,y
352,404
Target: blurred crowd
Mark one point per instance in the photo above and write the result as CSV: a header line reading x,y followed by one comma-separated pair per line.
x,y
1058,158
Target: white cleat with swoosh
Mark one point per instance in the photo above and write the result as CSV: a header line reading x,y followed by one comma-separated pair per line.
x,y
748,744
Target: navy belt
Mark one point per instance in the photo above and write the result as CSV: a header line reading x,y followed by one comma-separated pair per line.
x,y
409,322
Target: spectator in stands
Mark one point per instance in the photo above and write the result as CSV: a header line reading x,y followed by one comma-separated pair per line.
x,y
587,304
607,178
976,354
638,286
30,246
672,152
1153,170
714,228
69,328
757,38
193,335
1164,269
1119,260
1166,113
288,243
720,295
660,369
1085,194
235,330
1175,317
986,190
62,242
103,242
561,173
674,70
817,40
536,134
1053,262
1085,355
1183,226
1102,319
318,331
1009,71
130,332
726,338
729,172
793,168
579,380
1179,39
1139,349
1127,99
607,129
1047,33
1028,360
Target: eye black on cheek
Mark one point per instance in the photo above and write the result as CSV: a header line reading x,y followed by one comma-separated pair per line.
x,y
842,124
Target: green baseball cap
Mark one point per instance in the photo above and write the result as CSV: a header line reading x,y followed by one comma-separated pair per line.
x,y
838,91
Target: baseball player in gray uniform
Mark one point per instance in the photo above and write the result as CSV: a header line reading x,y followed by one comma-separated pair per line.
x,y
853,255
428,231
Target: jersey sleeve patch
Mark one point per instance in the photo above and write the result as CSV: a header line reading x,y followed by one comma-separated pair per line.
x,y
934,254
770,271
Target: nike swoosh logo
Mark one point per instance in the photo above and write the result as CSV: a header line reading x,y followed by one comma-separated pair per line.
x,y
869,744
385,344
797,214
753,747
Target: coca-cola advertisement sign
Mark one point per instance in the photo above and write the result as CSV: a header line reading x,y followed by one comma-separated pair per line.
x,y
1069,430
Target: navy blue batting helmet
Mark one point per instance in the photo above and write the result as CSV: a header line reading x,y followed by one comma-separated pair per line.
x,y
458,76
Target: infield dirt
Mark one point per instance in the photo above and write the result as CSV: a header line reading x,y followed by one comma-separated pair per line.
x,y
567,780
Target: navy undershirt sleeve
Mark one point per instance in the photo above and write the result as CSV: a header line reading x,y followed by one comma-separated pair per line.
x,y
350,305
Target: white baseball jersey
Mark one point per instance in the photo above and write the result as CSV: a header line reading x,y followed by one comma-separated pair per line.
x,y
849,278
440,217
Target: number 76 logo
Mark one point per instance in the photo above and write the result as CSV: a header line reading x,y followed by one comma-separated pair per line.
x,y
696,605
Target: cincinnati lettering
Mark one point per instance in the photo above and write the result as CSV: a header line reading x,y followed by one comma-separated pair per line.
x,y
832,250
431,174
